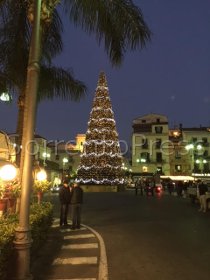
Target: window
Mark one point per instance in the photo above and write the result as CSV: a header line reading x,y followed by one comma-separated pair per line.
x,y
178,168
144,143
158,120
57,157
177,155
206,167
158,129
205,153
159,169
204,140
144,157
143,121
159,157
194,139
158,143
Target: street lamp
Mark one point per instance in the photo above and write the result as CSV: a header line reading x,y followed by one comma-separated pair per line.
x,y
5,97
8,171
45,156
41,175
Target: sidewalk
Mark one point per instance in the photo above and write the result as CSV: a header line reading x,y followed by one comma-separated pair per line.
x,y
71,255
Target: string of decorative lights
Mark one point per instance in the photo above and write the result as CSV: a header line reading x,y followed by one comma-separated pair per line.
x,y
101,160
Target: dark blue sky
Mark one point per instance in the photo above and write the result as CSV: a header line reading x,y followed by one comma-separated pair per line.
x,y
171,76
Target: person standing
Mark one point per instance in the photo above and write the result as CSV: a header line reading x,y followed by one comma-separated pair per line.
x,y
64,197
76,205
137,183
202,190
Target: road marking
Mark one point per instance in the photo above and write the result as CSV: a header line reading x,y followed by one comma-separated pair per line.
x,y
77,236
103,267
70,230
73,279
76,261
81,246
54,225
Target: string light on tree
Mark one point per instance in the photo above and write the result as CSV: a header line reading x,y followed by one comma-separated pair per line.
x,y
101,160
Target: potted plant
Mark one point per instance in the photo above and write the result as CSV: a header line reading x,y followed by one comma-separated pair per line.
x,y
12,189
41,187
3,200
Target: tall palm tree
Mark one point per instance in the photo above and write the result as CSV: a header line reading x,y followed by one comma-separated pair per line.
x,y
14,44
118,24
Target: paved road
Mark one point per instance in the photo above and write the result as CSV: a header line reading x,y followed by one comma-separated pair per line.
x,y
163,238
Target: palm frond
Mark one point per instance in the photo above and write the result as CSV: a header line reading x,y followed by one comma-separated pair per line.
x,y
52,43
119,23
15,35
59,83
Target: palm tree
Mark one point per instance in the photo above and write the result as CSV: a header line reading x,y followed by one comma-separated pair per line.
x,y
118,24
14,45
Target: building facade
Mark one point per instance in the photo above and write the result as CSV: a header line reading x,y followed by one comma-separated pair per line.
x,y
150,145
178,151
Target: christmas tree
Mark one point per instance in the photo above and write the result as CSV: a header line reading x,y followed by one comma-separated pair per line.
x,y
101,160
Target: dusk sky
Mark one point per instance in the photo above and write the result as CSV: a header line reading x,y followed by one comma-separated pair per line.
x,y
171,76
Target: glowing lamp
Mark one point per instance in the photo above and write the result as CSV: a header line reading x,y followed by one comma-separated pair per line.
x,y
8,172
5,97
199,147
65,160
41,175
189,147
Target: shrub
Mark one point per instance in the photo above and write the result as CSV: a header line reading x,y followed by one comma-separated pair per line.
x,y
40,221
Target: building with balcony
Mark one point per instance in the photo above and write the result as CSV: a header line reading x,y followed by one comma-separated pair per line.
x,y
198,146
150,145
178,151
7,148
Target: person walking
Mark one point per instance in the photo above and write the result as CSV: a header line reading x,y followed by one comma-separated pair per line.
x,y
76,205
64,197
202,189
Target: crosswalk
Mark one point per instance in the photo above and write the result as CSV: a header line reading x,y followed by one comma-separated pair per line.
x,y
78,258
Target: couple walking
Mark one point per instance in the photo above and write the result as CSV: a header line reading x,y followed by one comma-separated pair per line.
x,y
72,197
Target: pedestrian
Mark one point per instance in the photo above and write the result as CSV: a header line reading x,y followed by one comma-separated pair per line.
x,y
170,187
202,190
64,197
179,188
76,205
136,186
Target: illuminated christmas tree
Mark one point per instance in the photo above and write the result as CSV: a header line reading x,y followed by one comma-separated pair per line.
x,y
101,160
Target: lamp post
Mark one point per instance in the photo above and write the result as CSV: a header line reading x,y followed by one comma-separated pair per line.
x,y
22,234
45,155
65,160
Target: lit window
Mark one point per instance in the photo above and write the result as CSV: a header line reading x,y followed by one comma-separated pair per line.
x,y
178,168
